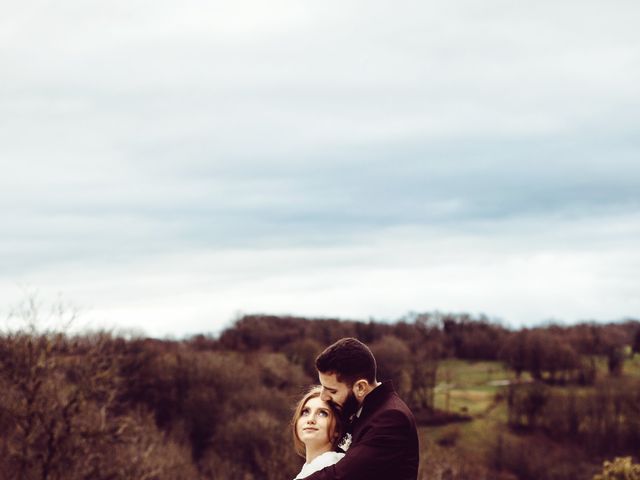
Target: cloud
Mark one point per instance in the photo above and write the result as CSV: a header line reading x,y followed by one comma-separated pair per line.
x,y
246,136
523,272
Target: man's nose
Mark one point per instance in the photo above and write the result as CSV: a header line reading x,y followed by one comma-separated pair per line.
x,y
324,396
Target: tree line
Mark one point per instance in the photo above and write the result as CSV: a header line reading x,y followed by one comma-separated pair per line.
x,y
102,406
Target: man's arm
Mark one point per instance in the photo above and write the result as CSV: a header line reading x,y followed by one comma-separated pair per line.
x,y
383,445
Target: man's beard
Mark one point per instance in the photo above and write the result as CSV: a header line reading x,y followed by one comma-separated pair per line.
x,y
349,408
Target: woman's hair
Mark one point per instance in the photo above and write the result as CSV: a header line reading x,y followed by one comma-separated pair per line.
x,y
335,425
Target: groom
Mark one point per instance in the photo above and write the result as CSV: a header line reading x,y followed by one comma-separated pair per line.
x,y
382,439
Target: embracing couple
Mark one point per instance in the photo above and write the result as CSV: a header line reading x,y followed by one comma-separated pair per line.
x,y
351,426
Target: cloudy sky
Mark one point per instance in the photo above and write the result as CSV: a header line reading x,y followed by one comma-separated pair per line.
x,y
168,166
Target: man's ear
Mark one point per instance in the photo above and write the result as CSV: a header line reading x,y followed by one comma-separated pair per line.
x,y
360,388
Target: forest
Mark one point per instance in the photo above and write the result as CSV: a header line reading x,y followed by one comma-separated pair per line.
x,y
492,402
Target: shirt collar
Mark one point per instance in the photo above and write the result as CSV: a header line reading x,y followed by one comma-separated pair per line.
x,y
375,397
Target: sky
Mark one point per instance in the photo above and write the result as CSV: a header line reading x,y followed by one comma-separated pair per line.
x,y
170,166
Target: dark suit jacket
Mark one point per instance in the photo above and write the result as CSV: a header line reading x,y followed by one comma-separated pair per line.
x,y
384,442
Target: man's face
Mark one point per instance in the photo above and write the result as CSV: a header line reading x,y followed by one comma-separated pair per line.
x,y
333,390
338,393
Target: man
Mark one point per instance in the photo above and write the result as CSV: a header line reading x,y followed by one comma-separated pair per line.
x,y
382,440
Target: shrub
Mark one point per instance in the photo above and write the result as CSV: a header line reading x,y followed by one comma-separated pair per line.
x,y
619,469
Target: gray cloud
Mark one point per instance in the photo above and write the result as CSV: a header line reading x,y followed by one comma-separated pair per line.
x,y
133,133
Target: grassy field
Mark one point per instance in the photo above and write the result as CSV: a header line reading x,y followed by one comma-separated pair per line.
x,y
476,389
631,366
469,387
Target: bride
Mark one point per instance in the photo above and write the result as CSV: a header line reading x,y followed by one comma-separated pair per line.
x,y
316,431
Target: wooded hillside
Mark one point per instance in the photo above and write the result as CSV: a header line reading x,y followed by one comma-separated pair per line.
x,y
101,406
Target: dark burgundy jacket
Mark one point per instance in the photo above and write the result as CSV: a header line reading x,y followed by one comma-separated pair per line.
x,y
384,442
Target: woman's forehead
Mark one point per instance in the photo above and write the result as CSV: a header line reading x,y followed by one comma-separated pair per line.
x,y
316,402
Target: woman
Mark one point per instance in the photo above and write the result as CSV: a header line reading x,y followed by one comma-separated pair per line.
x,y
316,431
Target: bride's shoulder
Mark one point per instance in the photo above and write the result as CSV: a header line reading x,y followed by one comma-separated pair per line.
x,y
331,457
321,461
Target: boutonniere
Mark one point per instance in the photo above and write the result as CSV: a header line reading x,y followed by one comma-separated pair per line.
x,y
345,443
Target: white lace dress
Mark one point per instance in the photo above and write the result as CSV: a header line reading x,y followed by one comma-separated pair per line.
x,y
318,463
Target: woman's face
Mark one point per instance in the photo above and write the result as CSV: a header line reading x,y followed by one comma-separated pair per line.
x,y
315,422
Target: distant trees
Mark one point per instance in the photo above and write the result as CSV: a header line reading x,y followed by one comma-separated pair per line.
x,y
394,362
62,417
303,352
636,341
563,355
546,356
104,407
230,407
98,407
602,420
472,339
553,353
411,362
526,404
407,351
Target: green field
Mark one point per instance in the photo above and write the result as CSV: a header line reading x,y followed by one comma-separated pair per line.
x,y
476,389
631,366
469,387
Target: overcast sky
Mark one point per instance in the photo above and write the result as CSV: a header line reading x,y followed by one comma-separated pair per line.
x,y
167,166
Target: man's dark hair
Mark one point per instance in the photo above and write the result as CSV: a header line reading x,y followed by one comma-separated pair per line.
x,y
349,359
